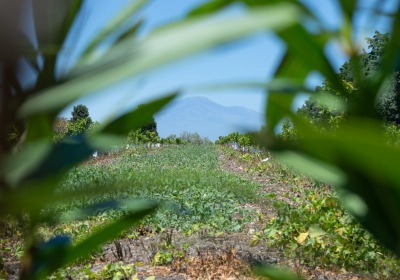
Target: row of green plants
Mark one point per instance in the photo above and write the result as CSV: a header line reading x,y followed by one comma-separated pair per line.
x,y
185,180
249,140
317,229
135,137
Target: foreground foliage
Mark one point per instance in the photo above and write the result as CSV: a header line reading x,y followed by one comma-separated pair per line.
x,y
357,159
28,179
315,228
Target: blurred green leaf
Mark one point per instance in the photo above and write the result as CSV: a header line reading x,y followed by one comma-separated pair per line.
x,y
348,7
33,196
18,166
331,101
100,141
131,32
42,158
278,85
160,47
75,6
301,43
139,209
39,127
293,67
354,203
277,108
313,167
56,254
129,10
392,54
136,118
127,204
49,24
275,273
210,7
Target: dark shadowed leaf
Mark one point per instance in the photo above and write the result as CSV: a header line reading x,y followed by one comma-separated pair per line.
x,y
348,7
313,167
211,7
291,67
277,108
310,48
52,27
275,273
139,210
136,118
56,253
119,19
40,159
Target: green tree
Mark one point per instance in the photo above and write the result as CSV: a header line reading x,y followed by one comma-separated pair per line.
x,y
322,108
79,113
178,140
171,137
388,103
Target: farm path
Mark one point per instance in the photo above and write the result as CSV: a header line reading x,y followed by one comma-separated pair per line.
x,y
269,183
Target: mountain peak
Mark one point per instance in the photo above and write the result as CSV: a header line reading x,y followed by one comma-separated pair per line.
x,y
208,118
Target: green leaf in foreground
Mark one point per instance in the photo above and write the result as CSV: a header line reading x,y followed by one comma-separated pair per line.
x,y
165,45
136,118
275,273
70,254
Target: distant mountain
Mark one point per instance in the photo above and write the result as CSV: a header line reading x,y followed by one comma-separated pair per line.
x,y
201,115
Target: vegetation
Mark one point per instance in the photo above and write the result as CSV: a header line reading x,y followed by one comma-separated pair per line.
x,y
326,116
79,113
28,180
354,153
63,128
194,138
312,226
209,204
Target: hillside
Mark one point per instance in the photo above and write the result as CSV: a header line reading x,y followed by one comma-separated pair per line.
x,y
200,114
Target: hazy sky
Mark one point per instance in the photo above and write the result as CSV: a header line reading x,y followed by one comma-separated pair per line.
x,y
252,59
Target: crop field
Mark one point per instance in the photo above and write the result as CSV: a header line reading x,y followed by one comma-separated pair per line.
x,y
193,194
219,211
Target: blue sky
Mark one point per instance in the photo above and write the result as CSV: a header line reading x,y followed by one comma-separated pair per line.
x,y
252,59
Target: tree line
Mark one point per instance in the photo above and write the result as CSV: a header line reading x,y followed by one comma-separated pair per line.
x,y
81,123
327,108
